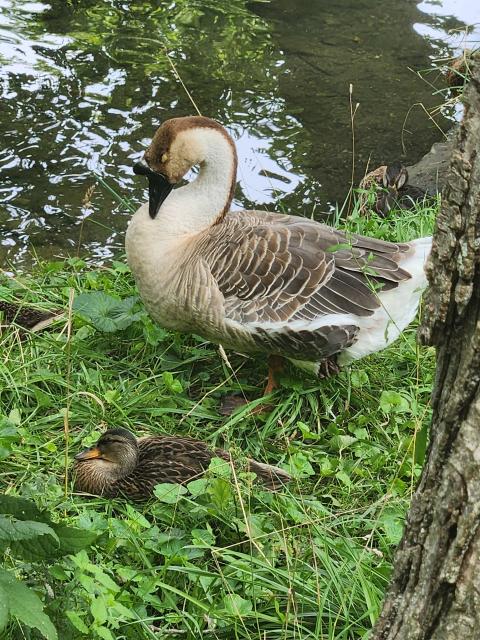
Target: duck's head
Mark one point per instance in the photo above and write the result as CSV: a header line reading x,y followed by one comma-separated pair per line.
x,y
178,145
114,456
394,178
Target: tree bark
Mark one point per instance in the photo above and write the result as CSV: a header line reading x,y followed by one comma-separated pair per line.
x,y
435,589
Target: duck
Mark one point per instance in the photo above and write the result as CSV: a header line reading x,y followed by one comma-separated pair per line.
x,y
26,317
261,282
121,465
396,192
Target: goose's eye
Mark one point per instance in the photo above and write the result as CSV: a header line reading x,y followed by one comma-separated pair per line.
x,y
164,158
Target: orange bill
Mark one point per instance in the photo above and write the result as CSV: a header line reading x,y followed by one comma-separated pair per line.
x,y
86,454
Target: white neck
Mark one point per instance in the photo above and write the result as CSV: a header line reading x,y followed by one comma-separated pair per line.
x,y
197,205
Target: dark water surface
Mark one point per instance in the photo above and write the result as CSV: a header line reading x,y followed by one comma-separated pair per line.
x,y
83,85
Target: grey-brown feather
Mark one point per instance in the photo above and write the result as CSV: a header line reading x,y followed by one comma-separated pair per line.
x,y
274,269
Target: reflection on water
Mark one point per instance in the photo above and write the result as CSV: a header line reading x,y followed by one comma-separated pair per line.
x,y
83,85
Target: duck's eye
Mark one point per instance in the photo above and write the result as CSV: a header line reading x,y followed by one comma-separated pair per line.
x,y
164,158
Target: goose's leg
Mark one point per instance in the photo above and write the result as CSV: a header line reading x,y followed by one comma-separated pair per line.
x,y
328,367
275,365
232,402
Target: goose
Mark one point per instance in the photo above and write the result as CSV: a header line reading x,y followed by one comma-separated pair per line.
x,y
255,281
120,465
396,193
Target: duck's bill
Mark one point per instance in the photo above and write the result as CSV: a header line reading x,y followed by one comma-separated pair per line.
x,y
158,187
87,454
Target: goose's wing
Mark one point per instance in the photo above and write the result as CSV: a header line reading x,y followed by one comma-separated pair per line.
x,y
297,283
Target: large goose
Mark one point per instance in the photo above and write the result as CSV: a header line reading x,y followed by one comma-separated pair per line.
x,y
256,281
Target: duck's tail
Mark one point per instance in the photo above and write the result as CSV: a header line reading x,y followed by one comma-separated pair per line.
x,y
271,477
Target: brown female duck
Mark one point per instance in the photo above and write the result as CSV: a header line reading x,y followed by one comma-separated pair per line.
x,y
396,192
121,465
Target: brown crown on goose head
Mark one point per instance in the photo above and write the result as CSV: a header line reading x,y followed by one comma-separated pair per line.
x,y
172,154
120,465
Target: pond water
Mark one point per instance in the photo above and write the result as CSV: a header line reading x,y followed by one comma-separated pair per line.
x,y
84,84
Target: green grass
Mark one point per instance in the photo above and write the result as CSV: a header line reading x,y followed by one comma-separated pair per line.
x,y
225,559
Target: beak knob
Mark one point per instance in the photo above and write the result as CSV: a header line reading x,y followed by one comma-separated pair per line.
x,y
141,168
158,186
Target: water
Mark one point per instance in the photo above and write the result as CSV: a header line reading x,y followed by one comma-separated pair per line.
x,y
84,84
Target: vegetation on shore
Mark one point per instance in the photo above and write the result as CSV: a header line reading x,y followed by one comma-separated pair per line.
x,y
220,557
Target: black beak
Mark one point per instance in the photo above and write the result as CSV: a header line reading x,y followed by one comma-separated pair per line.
x,y
158,186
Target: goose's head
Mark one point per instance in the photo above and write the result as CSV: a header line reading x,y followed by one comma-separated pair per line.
x,y
114,456
178,145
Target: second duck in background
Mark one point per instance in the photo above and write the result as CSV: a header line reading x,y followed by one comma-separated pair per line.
x,y
393,192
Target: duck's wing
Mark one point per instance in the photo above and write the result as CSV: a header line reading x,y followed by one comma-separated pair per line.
x,y
174,459
298,284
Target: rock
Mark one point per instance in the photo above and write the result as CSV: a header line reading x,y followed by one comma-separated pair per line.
x,y
431,171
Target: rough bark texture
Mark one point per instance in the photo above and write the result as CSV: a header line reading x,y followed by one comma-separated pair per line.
x,y
435,588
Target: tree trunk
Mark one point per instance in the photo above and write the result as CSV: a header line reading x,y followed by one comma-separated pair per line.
x,y
435,588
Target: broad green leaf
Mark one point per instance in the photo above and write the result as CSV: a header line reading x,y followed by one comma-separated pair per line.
x,y
342,442
220,467
169,493
221,491
421,440
123,611
235,605
15,417
99,610
344,477
392,524
171,383
198,487
3,608
104,633
103,578
62,540
24,604
8,435
77,622
298,465
137,518
359,378
21,509
393,402
73,539
105,312
12,530
203,538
